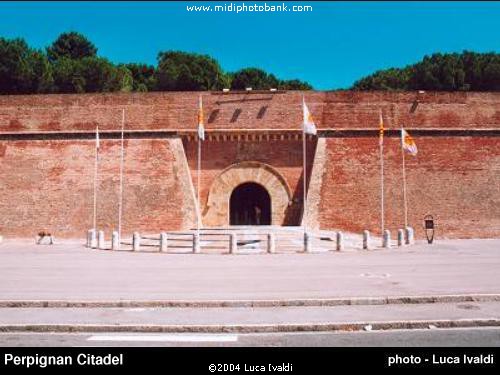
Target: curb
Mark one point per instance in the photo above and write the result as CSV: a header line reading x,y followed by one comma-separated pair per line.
x,y
252,328
253,303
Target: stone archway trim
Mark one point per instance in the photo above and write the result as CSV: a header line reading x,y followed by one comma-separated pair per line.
x,y
216,211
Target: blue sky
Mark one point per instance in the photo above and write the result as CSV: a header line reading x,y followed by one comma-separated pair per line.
x,y
330,47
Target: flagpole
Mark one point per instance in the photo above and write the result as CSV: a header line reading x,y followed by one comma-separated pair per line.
x,y
198,224
201,137
381,143
95,179
304,156
120,201
404,182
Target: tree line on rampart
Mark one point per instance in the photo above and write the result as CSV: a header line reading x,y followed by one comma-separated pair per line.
x,y
466,71
71,65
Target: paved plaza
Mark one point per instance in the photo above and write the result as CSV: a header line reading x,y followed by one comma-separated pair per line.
x,y
70,271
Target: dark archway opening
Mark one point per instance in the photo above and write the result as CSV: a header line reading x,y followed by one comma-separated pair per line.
x,y
250,204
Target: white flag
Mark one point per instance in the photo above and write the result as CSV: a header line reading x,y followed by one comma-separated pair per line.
x,y
309,126
201,128
408,143
97,143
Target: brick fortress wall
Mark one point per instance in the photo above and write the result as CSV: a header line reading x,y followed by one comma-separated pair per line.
x,y
48,185
455,176
47,155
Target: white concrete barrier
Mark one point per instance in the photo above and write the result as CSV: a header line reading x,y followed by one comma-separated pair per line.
x,y
410,236
366,240
92,239
196,243
386,239
233,243
100,240
89,238
115,240
401,237
163,242
340,241
136,241
307,242
271,246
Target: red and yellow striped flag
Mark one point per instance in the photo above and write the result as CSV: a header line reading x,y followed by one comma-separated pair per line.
x,y
381,130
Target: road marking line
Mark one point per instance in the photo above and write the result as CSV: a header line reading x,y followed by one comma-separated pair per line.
x,y
160,338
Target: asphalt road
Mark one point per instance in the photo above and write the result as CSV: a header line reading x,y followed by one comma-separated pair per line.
x,y
227,316
464,337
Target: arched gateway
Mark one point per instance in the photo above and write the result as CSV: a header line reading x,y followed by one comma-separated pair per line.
x,y
250,204
247,193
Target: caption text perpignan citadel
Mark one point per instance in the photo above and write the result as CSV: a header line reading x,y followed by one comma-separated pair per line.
x,y
81,359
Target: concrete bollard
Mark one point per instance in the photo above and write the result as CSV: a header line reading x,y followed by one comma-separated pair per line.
x,y
93,239
89,238
136,241
100,239
196,243
366,240
307,242
115,240
401,237
163,242
410,236
340,241
271,246
233,243
386,239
